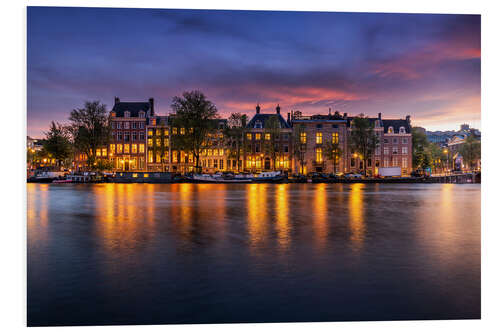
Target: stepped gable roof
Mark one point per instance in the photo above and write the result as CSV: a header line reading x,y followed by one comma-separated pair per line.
x,y
133,107
263,117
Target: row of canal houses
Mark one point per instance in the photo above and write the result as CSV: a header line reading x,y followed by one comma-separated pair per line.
x,y
141,142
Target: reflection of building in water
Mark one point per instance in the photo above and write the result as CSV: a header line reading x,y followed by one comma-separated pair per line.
x,y
320,214
356,215
282,216
257,212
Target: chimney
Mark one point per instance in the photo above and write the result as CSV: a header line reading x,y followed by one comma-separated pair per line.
x,y
257,108
117,100
408,119
380,116
345,115
289,117
278,109
152,105
329,111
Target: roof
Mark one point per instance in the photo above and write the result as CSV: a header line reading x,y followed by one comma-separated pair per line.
x,y
264,117
396,125
132,107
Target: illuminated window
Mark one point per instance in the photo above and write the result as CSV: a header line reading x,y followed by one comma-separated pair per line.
x,y
204,152
335,138
249,136
104,152
404,163
303,137
141,148
268,136
183,131
209,152
134,175
165,141
98,152
112,149
258,163
319,138
150,132
216,152
134,148
174,157
126,149
190,158
249,163
165,132
150,142
174,130
158,142
221,164
146,175
319,155
191,130
257,136
150,156
158,157
390,130
119,148
221,152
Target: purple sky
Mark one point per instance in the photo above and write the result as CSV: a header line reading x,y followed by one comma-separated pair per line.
x,y
427,66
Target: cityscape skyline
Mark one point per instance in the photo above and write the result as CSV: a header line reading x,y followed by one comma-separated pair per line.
x,y
423,65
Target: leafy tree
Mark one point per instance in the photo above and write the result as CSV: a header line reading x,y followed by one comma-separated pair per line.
x,y
363,139
299,147
195,114
333,153
470,151
103,164
57,143
420,154
90,129
272,146
234,135
436,156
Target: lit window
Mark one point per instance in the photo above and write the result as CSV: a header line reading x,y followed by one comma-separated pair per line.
x,y
390,130
303,137
112,149
268,136
165,132
134,148
319,155
150,142
98,152
119,148
158,142
257,136
150,132
158,157
221,152
146,175
141,148
165,141
134,175
249,136
126,149
174,157
209,152
404,162
174,130
335,138
104,151
150,156
319,138
216,152
183,131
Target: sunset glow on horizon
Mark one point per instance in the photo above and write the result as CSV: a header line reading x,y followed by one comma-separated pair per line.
x,y
427,66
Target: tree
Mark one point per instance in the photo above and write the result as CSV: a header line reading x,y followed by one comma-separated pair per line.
x,y
103,164
195,114
57,143
363,139
90,129
234,135
299,146
437,156
420,154
471,152
333,153
271,138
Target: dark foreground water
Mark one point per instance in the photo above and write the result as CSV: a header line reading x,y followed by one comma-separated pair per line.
x,y
194,253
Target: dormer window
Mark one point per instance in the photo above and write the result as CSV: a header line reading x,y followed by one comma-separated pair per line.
x,y
142,114
113,114
258,124
402,130
126,114
390,130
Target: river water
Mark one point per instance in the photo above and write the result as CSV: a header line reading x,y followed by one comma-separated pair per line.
x,y
221,253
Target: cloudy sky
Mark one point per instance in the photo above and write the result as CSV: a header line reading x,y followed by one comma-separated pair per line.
x,y
426,66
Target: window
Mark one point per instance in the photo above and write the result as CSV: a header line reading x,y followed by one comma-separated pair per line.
x,y
268,136
158,142
98,152
394,150
165,132
158,157
319,138
215,164
257,136
150,142
113,125
142,114
119,136
335,137
141,148
402,130
303,137
209,152
127,115
216,152
319,155
221,152
126,125
404,140
395,162
386,150
377,151
134,125
404,163
134,136
319,125
118,125
395,140
404,150
150,156
353,162
369,163
126,149
141,136
285,149
183,131
377,163
134,148
150,132
175,156
386,140
174,130
166,141
119,148
126,137
112,149
390,130
141,125
386,163
249,136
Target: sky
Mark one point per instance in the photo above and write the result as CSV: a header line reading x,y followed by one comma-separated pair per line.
x,y
427,66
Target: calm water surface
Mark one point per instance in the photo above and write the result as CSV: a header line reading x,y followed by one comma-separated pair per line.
x,y
206,253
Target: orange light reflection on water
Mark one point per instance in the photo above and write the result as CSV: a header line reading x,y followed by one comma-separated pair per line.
x,y
356,215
